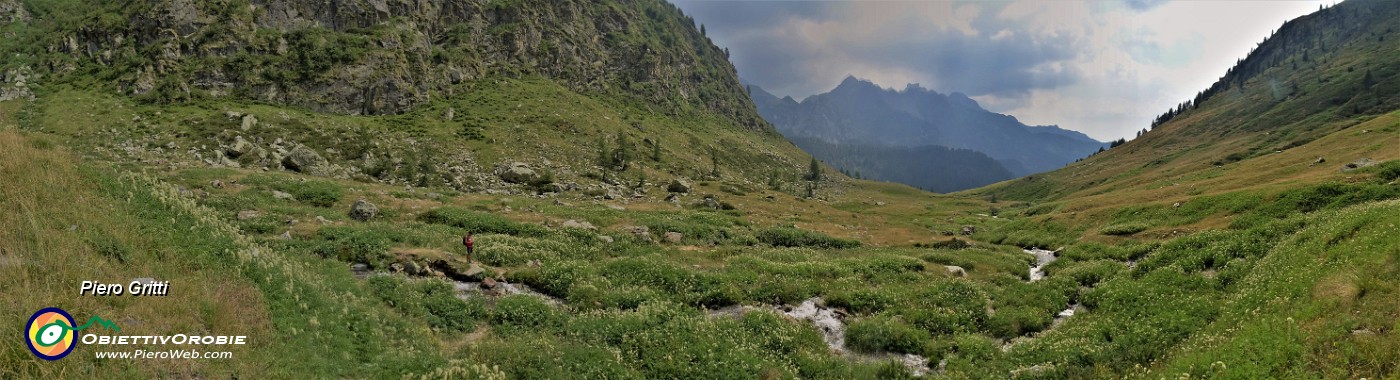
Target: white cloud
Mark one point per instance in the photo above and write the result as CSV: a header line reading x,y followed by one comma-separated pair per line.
x,y
1105,68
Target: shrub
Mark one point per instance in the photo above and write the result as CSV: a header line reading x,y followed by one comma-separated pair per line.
x,y
433,299
527,312
480,222
357,245
793,237
881,334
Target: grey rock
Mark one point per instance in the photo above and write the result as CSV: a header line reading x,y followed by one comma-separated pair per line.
x,y
578,224
322,220
641,232
488,283
239,147
1361,163
969,230
412,268
287,235
711,203
281,195
359,267
956,271
305,160
517,172
362,210
673,237
249,121
605,238
216,184
678,186
248,214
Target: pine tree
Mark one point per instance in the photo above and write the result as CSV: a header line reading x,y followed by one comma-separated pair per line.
x,y
814,171
656,151
714,162
622,156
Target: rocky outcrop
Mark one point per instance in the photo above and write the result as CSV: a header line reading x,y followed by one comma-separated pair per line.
x,y
374,57
517,172
305,160
362,210
678,186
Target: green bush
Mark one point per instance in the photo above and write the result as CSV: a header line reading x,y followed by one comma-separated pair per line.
x,y
434,300
525,312
480,222
881,334
357,245
793,237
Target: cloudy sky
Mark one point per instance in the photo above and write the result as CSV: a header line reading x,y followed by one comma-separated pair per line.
x,y
1102,67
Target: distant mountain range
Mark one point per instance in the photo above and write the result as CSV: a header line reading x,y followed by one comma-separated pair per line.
x,y
864,117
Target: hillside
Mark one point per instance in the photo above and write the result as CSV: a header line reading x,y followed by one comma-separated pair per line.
x,y
861,113
450,90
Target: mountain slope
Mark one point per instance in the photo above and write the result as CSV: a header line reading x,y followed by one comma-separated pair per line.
x,y
1320,88
858,111
424,94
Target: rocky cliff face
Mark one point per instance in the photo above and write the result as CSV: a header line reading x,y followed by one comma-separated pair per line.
x,y
372,57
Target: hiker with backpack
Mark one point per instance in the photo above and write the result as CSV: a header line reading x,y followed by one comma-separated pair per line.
x,y
467,241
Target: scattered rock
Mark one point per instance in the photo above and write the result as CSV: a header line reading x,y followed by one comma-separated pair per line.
x,y
216,184
673,198
322,220
1363,332
711,203
239,148
605,238
474,271
577,224
641,232
363,210
611,194
1319,161
359,267
517,172
396,267
879,203
956,271
248,214
1177,204
305,160
969,230
286,235
678,186
617,207
673,237
488,283
281,195
249,121
1361,163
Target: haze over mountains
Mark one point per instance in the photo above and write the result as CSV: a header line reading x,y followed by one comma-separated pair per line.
x,y
940,142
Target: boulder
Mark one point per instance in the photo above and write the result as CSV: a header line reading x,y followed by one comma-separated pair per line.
x,y
641,232
517,172
711,203
605,238
359,267
488,283
678,186
1361,163
281,195
969,230
305,160
612,193
577,224
216,184
249,121
673,198
248,214
286,235
956,271
363,210
474,271
239,147
673,237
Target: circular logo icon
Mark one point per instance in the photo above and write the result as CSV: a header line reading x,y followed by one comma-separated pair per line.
x,y
50,334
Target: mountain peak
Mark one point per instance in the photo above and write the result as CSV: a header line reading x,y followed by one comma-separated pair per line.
x,y
962,100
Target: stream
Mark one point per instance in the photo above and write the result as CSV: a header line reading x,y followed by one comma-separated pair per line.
x,y
828,321
1042,258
